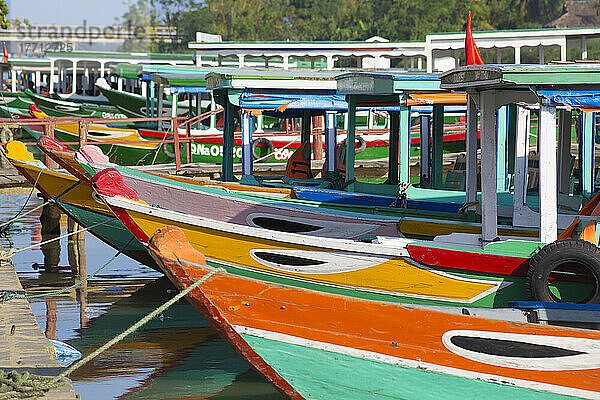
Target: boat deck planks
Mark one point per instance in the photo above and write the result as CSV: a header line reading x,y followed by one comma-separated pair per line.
x,y
23,346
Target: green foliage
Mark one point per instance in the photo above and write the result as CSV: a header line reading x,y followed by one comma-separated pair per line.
x,y
325,20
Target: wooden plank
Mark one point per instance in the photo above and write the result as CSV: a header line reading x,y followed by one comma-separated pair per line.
x,y
521,146
23,346
471,167
489,217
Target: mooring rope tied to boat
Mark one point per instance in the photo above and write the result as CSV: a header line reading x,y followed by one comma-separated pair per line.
x,y
16,385
7,255
7,295
137,325
50,200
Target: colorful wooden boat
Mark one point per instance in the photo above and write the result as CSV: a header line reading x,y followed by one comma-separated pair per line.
x,y
76,200
546,269
64,108
411,222
315,345
132,105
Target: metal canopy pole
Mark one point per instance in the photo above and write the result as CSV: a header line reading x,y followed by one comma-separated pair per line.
x,y
564,153
228,132
425,151
547,187
404,144
437,147
246,143
587,153
393,156
350,137
330,141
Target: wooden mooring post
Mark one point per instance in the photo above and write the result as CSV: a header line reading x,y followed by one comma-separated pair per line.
x,y
6,136
50,220
49,132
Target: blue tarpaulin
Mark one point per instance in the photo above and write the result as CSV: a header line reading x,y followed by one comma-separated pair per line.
x,y
583,99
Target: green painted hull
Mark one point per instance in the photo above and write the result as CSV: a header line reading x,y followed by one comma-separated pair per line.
x,y
112,232
322,374
62,108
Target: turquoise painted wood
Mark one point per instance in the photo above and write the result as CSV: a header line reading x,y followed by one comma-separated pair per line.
x,y
501,155
320,374
437,146
587,153
404,144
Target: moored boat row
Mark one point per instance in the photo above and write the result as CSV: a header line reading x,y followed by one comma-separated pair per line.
x,y
345,287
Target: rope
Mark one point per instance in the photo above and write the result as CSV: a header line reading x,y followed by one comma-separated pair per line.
x,y
25,204
15,385
137,325
50,200
466,206
7,255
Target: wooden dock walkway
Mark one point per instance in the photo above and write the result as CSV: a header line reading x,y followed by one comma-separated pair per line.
x,y
23,346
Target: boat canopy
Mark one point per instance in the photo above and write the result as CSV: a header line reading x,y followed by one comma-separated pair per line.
x,y
285,105
586,100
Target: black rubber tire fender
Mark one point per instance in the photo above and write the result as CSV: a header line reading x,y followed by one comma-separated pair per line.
x,y
261,141
555,254
168,152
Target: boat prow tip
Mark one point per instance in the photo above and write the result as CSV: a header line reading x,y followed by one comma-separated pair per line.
x,y
109,182
48,144
92,153
16,150
170,241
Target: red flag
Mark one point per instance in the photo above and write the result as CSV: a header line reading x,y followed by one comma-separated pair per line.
x,y
4,53
472,53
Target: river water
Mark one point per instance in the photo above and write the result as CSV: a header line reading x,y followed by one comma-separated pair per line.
x,y
177,355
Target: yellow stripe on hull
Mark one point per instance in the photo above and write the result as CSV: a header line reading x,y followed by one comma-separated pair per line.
x,y
54,183
431,229
393,276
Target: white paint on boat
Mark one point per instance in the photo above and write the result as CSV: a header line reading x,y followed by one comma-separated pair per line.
x,y
322,262
588,359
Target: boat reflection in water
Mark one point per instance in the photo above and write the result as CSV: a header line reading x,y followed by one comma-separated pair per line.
x,y
177,355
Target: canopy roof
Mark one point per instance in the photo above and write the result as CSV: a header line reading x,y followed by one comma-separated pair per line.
x,y
552,76
294,104
385,83
275,79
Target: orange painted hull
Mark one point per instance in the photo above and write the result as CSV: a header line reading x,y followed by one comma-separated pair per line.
x,y
413,337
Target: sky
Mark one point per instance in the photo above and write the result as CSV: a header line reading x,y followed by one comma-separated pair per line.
x,y
68,12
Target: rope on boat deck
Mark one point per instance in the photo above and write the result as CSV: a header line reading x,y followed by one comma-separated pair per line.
x,y
137,325
7,255
15,385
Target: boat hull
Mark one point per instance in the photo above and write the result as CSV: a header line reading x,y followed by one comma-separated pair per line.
x,y
311,344
79,204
